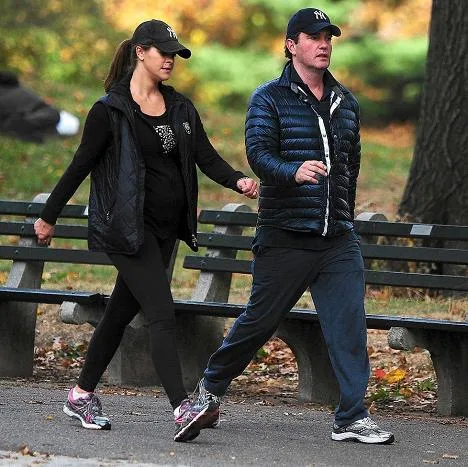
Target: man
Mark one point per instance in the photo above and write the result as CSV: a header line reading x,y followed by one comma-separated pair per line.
x,y
303,142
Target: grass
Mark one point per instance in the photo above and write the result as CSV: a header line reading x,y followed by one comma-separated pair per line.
x,y
27,169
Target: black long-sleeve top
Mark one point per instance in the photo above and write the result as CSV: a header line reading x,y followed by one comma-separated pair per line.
x,y
165,198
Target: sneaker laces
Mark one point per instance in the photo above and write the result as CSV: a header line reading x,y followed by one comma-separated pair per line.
x,y
94,405
367,422
204,395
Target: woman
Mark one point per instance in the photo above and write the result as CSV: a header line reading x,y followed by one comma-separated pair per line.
x,y
141,143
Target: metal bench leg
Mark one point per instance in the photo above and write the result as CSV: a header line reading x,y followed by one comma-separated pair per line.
x,y
317,382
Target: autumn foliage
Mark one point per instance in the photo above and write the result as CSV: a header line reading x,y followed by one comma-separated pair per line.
x,y
237,44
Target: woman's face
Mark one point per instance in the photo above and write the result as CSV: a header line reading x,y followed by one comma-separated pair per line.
x,y
157,64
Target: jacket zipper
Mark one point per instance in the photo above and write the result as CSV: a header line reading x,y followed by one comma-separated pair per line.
x,y
326,149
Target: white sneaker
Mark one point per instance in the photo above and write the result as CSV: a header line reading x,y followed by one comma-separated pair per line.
x,y
364,431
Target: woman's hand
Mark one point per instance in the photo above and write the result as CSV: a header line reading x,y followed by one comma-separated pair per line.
x,y
248,187
44,231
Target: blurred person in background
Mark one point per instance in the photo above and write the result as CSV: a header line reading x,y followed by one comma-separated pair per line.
x,y
26,116
141,143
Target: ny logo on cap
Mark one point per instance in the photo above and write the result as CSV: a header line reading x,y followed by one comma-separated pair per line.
x,y
320,14
172,32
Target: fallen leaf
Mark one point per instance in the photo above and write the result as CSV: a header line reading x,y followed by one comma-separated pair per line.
x,y
406,392
379,373
396,375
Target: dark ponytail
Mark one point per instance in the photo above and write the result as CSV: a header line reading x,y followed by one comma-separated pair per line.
x,y
123,62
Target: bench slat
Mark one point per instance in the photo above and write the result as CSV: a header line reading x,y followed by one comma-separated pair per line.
x,y
218,264
403,229
213,240
248,219
393,229
423,254
229,310
397,279
412,279
24,208
57,255
49,296
79,232
389,252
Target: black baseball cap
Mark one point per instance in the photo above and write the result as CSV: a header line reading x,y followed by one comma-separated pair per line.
x,y
310,21
162,36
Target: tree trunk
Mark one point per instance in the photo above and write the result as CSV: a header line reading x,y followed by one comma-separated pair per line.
x,y
437,187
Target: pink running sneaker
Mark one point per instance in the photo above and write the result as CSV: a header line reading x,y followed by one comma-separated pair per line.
x,y
88,410
202,413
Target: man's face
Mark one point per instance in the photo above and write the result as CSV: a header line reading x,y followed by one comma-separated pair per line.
x,y
312,51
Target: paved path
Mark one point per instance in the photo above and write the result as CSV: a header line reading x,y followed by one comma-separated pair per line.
x,y
290,434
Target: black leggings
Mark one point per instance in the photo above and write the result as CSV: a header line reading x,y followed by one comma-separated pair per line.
x,y
141,284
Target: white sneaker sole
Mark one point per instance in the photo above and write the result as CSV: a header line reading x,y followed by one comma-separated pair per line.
x,y
361,439
89,426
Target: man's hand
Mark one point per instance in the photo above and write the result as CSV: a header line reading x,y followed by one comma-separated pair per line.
x,y
309,170
44,231
248,187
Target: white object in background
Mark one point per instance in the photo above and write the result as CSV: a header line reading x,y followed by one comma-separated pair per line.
x,y
68,124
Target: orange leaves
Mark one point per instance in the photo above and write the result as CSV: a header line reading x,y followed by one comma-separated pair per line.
x,y
395,135
399,386
408,18
400,380
379,373
222,21
71,279
394,376
3,277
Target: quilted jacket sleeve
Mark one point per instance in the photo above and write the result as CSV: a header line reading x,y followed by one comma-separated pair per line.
x,y
262,142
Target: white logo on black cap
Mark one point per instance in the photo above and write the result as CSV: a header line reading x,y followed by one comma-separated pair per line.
x,y
172,32
320,15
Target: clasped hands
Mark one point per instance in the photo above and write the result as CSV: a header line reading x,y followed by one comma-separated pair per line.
x,y
248,187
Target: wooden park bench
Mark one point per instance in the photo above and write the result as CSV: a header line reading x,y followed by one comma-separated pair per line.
x,y
202,318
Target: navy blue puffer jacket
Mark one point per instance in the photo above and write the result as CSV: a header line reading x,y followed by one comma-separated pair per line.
x,y
282,131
